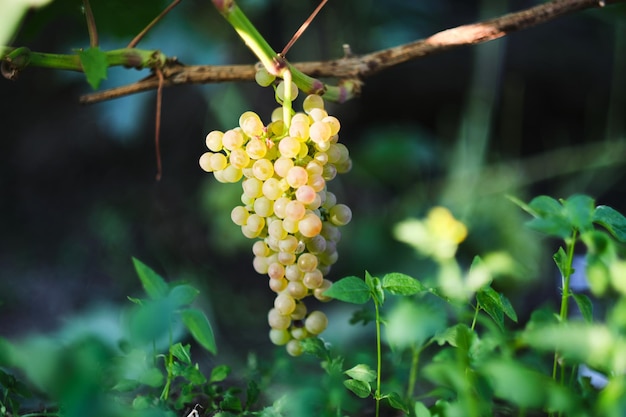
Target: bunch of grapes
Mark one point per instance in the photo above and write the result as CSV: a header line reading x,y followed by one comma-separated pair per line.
x,y
286,207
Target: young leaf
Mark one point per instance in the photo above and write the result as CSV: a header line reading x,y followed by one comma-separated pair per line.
x,y
219,373
489,300
612,220
508,308
200,328
94,63
152,283
253,393
549,217
349,289
361,389
315,346
396,402
561,261
402,284
182,353
376,288
585,306
361,372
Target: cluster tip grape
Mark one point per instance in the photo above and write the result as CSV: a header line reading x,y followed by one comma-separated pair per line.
x,y
286,207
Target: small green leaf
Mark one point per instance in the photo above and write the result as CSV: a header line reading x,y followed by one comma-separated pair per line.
x,y
584,305
360,388
253,392
396,401
363,316
544,206
182,353
349,289
562,262
152,283
612,220
376,288
183,295
361,372
315,346
549,217
200,328
459,336
489,300
94,63
219,373
402,284
230,402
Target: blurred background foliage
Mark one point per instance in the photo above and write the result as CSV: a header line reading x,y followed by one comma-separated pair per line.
x,y
538,112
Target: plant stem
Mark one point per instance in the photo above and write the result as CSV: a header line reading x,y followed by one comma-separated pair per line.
x,y
415,356
91,25
476,310
378,358
287,99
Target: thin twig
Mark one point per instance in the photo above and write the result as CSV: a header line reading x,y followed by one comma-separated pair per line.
x,y
302,28
157,125
156,20
91,24
358,67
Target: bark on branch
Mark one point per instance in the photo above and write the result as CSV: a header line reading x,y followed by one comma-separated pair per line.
x,y
359,67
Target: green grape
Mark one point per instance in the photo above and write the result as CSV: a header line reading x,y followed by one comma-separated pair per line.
x,y
214,140
312,101
239,158
340,215
294,211
252,187
276,230
300,312
232,139
263,206
218,161
251,124
307,262
277,320
288,244
294,347
313,279
299,333
293,273
285,303
263,77
305,194
230,174
286,258
282,166
278,285
260,265
320,132
263,169
280,336
280,91
316,322
259,248
297,290
310,225
317,114
333,123
272,189
318,293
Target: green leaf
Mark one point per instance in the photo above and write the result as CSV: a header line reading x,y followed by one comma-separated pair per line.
x,y
611,220
350,289
508,308
182,353
562,262
421,410
401,284
152,283
361,389
376,288
396,401
363,316
231,402
549,218
585,306
200,328
183,295
361,372
410,322
459,336
579,210
315,346
253,392
219,373
489,300
94,62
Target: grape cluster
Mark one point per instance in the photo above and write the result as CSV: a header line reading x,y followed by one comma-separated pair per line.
x,y
286,207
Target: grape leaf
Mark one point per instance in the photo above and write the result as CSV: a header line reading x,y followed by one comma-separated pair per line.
x,y
402,284
349,289
200,328
94,63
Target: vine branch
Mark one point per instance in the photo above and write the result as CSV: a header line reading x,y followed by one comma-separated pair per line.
x,y
350,68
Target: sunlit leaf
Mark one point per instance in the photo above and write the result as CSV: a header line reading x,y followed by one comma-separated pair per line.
x,y
401,284
421,410
200,328
349,289
219,373
361,372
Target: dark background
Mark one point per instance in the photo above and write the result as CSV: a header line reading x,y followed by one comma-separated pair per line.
x,y
538,112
